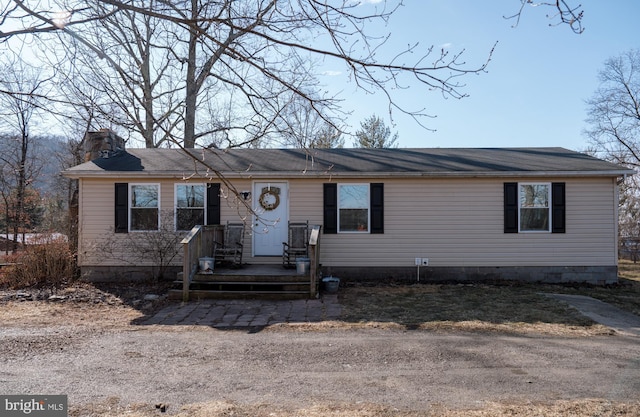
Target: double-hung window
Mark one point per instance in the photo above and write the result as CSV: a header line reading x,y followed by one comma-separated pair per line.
x,y
534,207
144,206
353,207
534,204
137,206
190,205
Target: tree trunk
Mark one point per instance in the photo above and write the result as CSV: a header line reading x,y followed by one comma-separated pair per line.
x,y
191,87
20,187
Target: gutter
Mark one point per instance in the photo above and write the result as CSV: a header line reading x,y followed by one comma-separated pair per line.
x,y
351,175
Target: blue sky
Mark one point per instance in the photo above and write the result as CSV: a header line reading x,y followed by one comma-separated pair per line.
x,y
536,84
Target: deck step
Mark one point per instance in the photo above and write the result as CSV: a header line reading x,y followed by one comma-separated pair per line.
x,y
249,281
272,283
243,283
215,294
249,278
250,286
243,289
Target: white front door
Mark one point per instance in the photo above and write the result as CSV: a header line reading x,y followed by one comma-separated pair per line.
x,y
271,204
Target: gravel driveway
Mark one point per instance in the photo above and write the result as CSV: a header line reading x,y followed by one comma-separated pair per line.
x,y
415,370
104,355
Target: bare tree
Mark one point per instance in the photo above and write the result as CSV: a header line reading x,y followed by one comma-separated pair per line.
x,y
614,110
135,91
614,134
629,220
244,59
373,133
302,127
563,13
20,166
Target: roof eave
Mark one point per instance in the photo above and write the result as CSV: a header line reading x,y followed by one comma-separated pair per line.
x,y
328,174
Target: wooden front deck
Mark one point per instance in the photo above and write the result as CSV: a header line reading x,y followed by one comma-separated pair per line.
x,y
249,280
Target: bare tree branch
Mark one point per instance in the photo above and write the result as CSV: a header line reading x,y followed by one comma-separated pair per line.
x,y
564,14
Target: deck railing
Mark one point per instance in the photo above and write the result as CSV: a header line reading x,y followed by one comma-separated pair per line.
x,y
197,244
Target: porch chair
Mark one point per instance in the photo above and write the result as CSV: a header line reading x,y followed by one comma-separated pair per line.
x,y
229,251
297,246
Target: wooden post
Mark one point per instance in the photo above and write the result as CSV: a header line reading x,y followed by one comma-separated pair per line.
x,y
186,271
191,247
314,258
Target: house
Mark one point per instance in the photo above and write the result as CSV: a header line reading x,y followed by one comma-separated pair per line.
x,y
533,214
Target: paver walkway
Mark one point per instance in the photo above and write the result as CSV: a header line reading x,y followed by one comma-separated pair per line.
x,y
248,313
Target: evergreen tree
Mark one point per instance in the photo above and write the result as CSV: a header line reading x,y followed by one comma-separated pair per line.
x,y
373,133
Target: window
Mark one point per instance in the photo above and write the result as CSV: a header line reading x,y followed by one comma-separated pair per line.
x,y
190,205
144,207
136,206
534,207
353,207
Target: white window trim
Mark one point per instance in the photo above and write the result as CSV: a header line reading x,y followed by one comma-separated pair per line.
x,y
368,187
549,226
131,185
175,203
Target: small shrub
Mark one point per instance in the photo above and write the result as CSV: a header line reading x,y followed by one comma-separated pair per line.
x,y
46,263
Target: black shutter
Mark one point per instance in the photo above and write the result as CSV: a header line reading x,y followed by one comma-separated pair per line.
x,y
330,199
558,207
213,203
511,207
121,224
377,207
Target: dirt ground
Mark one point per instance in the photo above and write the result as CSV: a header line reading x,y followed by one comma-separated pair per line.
x,y
85,343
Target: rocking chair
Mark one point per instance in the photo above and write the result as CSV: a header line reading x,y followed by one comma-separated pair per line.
x,y
297,246
229,251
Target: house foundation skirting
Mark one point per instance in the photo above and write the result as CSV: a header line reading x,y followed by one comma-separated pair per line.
x,y
598,275
126,273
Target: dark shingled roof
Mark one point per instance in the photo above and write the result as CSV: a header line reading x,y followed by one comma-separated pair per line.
x,y
351,162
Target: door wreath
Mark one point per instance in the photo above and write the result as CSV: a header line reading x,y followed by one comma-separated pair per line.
x,y
269,198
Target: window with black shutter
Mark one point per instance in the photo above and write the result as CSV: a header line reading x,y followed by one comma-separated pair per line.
x,y
534,207
511,207
377,208
353,208
330,211
558,207
213,203
121,224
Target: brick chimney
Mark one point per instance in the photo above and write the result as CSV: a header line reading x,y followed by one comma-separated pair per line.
x,y
102,144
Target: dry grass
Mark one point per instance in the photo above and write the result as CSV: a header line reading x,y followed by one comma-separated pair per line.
x,y
510,307
46,314
470,307
586,407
